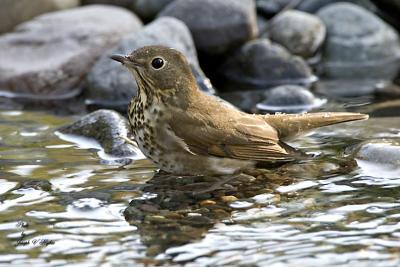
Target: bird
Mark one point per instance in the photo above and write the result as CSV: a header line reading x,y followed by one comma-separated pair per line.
x,y
185,131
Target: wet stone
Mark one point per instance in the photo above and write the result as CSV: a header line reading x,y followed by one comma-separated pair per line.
x,y
301,33
43,185
359,44
53,57
385,151
259,64
290,99
67,198
112,85
216,25
107,128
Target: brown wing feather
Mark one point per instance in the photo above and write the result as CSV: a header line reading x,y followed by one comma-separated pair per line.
x,y
245,137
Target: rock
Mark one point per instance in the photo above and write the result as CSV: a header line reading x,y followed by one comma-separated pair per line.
x,y
380,151
14,12
359,44
301,33
47,57
270,8
148,9
349,87
290,99
216,25
108,128
313,6
259,64
109,83
145,9
43,185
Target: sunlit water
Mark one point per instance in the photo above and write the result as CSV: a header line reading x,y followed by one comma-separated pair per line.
x,y
331,211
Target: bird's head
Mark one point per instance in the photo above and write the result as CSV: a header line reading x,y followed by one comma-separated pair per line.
x,y
159,70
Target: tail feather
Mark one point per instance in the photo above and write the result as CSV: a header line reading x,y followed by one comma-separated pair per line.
x,y
290,125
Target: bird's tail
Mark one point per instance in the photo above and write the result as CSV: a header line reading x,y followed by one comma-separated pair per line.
x,y
290,125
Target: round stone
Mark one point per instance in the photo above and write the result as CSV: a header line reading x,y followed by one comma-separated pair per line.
x,y
291,99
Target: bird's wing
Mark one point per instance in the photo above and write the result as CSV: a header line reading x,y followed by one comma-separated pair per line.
x,y
246,137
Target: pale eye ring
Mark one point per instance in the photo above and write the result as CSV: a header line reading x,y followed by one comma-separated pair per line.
x,y
157,63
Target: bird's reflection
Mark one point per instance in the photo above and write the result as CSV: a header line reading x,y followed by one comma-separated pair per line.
x,y
170,214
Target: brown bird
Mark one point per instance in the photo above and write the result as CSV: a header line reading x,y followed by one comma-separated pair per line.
x,y
187,132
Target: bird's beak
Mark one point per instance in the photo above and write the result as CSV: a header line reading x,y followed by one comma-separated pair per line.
x,y
119,58
127,61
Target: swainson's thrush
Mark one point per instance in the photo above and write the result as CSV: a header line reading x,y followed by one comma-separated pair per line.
x,y
187,132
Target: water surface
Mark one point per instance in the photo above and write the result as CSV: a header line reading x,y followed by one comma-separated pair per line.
x,y
62,204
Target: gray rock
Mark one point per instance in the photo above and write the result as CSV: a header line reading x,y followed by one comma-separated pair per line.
x,y
381,151
359,44
216,25
107,127
47,58
312,6
272,7
290,99
148,9
145,9
109,83
260,64
14,12
301,33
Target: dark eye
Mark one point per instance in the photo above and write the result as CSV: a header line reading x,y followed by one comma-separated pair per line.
x,y
157,63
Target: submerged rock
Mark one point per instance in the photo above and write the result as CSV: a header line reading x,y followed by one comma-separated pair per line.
x,y
216,25
259,64
47,58
14,12
301,33
108,128
109,83
43,185
359,44
379,158
290,99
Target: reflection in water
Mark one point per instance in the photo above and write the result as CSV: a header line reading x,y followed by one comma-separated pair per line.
x,y
61,205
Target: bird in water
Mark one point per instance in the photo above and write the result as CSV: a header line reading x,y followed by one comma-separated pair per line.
x,y
185,131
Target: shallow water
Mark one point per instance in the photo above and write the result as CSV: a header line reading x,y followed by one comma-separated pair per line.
x,y
62,204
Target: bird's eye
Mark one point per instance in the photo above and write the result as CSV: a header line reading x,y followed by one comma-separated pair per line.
x,y
157,63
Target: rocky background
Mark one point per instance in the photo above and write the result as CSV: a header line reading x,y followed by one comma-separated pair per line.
x,y
261,55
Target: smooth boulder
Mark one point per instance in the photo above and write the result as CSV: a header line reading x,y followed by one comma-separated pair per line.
x,y
109,83
49,56
299,32
108,128
14,12
359,44
216,25
260,64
